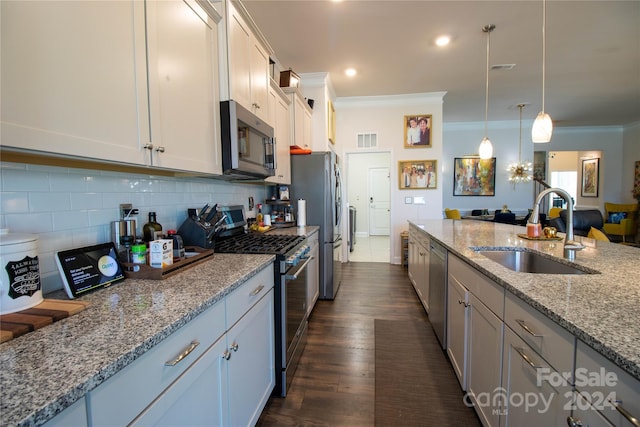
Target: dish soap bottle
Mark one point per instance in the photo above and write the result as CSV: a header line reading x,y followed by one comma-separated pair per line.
x,y
152,230
260,217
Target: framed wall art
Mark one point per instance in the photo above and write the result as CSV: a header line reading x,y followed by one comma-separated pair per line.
x,y
590,177
417,174
474,176
417,131
331,122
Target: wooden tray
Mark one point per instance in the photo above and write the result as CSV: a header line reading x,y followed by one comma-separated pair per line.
x,y
148,272
541,238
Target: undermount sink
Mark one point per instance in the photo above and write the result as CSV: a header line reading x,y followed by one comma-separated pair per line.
x,y
523,261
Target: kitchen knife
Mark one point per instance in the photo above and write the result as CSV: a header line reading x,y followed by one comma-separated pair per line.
x,y
212,213
201,213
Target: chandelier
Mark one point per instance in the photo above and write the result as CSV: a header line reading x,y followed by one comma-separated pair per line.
x,y
520,171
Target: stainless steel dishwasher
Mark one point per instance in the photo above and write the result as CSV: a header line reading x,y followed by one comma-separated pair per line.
x,y
438,291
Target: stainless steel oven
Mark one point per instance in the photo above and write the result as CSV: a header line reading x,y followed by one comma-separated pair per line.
x,y
290,296
294,286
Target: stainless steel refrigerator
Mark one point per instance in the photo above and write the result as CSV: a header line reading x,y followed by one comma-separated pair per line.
x,y
315,178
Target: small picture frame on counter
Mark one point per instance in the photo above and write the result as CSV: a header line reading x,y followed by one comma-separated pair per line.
x,y
284,192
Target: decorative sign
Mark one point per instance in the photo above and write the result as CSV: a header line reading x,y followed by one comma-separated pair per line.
x,y
24,277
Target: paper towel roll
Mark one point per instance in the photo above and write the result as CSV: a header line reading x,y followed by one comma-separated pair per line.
x,y
302,213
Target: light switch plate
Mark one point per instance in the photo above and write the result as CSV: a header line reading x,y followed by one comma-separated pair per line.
x,y
408,200
419,200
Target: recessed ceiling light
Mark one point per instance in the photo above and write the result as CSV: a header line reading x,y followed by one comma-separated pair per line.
x,y
350,72
443,41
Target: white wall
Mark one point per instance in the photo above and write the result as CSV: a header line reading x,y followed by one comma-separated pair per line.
x,y
384,116
630,155
71,208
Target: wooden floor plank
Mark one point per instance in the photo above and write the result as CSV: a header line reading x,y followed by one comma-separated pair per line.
x,y
334,384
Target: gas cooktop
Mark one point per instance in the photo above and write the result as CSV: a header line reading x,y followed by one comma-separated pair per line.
x,y
256,243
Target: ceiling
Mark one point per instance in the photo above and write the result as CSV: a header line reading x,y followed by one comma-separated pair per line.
x,y
592,65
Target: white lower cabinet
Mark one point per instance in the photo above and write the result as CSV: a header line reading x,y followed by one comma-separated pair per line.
x,y
196,399
475,308
313,274
533,392
612,393
218,369
73,416
419,253
251,365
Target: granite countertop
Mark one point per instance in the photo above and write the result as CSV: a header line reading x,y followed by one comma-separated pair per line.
x,y
599,309
45,371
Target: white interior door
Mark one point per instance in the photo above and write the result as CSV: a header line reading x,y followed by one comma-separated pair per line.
x,y
379,204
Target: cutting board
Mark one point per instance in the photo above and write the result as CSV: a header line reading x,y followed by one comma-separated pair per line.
x,y
13,325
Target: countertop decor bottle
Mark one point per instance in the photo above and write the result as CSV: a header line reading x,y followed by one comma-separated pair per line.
x,y
152,230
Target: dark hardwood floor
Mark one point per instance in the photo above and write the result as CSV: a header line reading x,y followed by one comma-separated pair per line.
x,y
334,382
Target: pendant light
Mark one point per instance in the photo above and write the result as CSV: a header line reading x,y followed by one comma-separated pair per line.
x,y
486,148
520,171
543,126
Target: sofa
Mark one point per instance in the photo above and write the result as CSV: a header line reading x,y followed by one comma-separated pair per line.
x,y
583,220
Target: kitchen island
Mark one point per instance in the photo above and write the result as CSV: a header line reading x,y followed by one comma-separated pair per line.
x,y
599,309
47,370
509,333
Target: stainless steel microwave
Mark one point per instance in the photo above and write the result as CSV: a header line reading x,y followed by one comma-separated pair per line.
x,y
248,144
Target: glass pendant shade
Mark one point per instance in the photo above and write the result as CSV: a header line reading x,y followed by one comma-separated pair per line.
x,y
542,128
486,148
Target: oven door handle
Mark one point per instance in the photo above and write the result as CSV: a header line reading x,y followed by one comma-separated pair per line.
x,y
294,276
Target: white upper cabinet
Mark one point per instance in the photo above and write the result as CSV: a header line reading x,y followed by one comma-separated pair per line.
x,y
300,119
183,82
75,81
279,116
248,67
72,78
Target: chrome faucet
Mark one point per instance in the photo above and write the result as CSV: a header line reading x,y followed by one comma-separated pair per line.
x,y
570,245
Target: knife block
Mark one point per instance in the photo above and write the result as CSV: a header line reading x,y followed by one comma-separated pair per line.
x,y
196,233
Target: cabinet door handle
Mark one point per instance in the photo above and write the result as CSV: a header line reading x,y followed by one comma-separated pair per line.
x,y
160,149
234,346
628,415
226,355
148,146
184,354
526,358
526,327
256,291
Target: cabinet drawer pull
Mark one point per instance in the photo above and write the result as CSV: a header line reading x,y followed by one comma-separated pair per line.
x,y
574,422
184,354
226,355
526,327
234,346
256,291
526,358
628,415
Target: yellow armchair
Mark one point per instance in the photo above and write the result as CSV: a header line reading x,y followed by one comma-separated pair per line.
x,y
620,219
452,213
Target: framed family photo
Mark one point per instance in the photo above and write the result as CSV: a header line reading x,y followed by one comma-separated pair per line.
x,y
417,131
417,174
474,176
590,177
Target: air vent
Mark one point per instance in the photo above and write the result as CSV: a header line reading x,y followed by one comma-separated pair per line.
x,y
367,140
503,66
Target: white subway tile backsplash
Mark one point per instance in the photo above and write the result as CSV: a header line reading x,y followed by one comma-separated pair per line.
x,y
85,201
71,208
22,180
36,223
14,202
69,182
49,202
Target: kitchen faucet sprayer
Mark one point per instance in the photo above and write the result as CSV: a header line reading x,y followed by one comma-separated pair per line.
x,y
570,245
